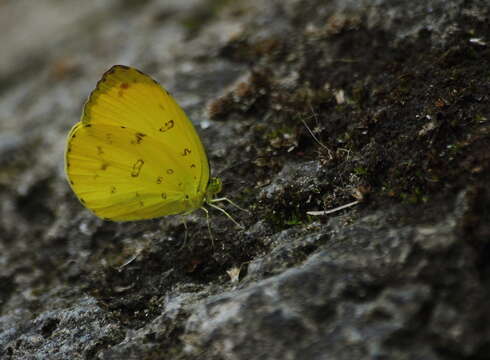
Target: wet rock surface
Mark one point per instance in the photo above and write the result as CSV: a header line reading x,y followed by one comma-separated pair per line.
x,y
302,106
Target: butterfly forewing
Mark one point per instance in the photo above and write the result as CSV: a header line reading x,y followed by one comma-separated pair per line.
x,y
135,155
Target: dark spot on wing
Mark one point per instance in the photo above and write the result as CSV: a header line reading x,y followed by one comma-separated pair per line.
x,y
135,172
167,126
124,86
138,138
170,171
186,152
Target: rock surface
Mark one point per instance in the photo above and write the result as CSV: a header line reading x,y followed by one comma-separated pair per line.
x,y
302,105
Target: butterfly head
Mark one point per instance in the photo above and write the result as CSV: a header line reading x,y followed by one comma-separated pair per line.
x,y
214,187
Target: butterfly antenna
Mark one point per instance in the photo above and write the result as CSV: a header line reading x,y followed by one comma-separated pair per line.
x,y
226,213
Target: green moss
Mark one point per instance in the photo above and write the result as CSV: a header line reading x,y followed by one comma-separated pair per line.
x,y
455,149
285,217
360,171
293,221
480,119
416,196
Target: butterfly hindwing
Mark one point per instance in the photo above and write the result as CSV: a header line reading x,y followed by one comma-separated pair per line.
x,y
135,155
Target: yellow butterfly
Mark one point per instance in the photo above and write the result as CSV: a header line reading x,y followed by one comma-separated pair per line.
x,y
135,155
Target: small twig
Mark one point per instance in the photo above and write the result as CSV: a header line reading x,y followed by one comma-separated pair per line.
x,y
326,212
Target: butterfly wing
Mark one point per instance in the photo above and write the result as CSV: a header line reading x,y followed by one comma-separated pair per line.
x,y
135,155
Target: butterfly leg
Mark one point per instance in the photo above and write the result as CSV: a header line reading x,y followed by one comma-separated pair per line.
x,y
226,213
209,224
184,244
229,201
